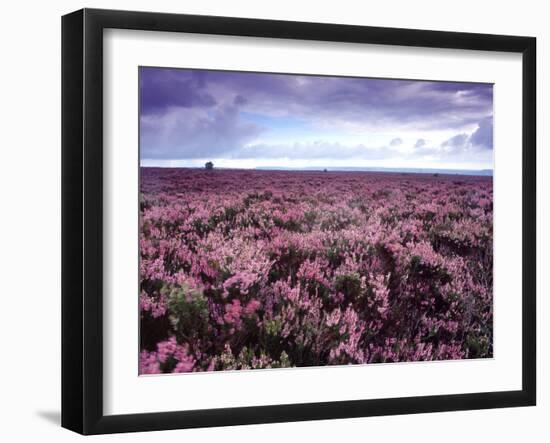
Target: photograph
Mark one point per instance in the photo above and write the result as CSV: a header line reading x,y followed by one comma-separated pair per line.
x,y
297,220
271,221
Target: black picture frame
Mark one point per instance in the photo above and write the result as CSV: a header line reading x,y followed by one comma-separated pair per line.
x,y
82,215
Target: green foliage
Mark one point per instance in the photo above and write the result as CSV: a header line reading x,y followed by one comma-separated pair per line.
x,y
247,359
418,268
144,203
349,285
478,346
284,361
310,217
273,327
188,311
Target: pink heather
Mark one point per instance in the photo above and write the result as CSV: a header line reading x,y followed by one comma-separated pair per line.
x,y
299,269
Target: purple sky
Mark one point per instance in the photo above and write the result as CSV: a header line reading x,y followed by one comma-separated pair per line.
x,y
239,119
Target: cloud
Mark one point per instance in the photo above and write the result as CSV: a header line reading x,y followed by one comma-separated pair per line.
x,y
396,142
483,135
327,100
363,103
456,143
239,100
161,89
480,139
420,143
184,133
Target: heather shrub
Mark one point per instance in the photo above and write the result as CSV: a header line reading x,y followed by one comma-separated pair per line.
x,y
258,269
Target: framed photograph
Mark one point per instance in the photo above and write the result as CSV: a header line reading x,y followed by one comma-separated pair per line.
x,y
269,221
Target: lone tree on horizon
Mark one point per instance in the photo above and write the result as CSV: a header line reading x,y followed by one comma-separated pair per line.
x,y
209,165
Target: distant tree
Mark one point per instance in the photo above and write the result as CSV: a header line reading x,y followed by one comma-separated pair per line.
x,y
209,165
325,170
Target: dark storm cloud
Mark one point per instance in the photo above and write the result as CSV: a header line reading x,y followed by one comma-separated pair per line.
x,y
161,89
458,141
483,136
187,133
427,105
479,140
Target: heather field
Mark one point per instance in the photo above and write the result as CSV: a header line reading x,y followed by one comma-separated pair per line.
x,y
246,269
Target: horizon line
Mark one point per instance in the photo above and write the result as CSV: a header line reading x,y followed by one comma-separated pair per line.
x,y
417,170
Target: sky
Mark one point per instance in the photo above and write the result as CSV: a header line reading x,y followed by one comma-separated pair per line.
x,y
249,120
